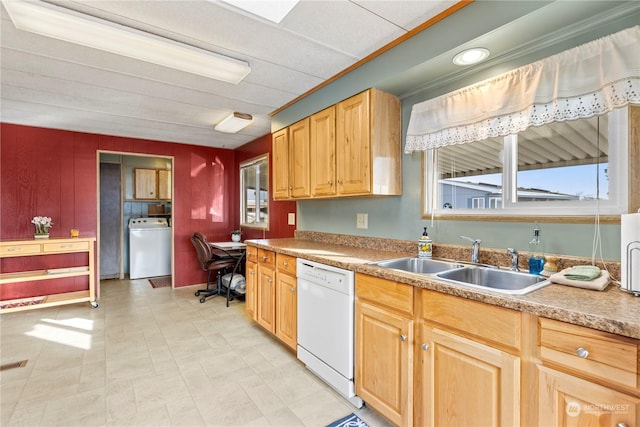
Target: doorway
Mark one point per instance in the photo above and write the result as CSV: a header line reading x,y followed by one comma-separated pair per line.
x,y
120,201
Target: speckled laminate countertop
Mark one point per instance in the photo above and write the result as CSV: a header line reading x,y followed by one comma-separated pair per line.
x,y
611,310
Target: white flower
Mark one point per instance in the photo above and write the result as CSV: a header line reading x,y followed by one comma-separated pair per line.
x,y
42,223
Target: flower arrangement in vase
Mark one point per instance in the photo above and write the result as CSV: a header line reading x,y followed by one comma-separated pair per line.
x,y
43,224
235,235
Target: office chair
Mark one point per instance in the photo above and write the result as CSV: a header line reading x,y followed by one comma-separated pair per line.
x,y
211,262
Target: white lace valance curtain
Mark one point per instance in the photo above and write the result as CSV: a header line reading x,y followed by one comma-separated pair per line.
x,y
588,80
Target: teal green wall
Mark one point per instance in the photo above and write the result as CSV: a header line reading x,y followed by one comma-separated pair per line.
x,y
399,217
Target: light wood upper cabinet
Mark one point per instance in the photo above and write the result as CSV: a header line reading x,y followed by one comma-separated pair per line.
x,y
291,161
352,149
151,184
280,165
323,152
164,184
299,159
145,184
368,144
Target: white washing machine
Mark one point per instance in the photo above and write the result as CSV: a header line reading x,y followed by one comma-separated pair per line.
x,y
149,247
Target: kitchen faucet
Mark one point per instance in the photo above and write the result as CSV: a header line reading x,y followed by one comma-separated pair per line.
x,y
475,248
514,258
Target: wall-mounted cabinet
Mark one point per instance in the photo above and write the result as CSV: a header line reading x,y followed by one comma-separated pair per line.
x,y
151,184
352,148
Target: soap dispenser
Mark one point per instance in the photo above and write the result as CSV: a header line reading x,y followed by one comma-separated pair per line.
x,y
536,249
425,247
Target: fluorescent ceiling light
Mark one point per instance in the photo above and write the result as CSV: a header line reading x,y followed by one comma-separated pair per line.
x,y
471,56
70,26
273,10
234,122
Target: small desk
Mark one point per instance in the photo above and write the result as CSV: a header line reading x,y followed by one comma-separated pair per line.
x,y
237,251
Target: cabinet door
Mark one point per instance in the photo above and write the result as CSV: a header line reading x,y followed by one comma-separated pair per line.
x,y
299,159
164,184
566,400
464,383
280,165
286,309
265,305
322,138
250,297
353,145
384,362
144,184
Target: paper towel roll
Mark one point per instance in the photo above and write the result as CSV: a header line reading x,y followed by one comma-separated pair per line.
x,y
630,252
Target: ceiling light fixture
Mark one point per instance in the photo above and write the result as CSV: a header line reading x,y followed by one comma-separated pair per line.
x,y
70,26
471,56
273,10
234,122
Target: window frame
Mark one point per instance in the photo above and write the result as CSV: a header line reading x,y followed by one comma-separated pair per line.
x,y
260,161
624,135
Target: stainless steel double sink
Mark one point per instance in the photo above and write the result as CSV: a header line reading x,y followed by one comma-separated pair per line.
x,y
473,275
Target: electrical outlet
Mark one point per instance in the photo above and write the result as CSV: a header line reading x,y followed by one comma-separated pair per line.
x,y
291,219
362,220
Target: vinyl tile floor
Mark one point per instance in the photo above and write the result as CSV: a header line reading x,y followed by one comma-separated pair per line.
x,y
156,357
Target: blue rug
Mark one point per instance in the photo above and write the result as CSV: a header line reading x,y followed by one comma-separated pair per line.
x,y
351,420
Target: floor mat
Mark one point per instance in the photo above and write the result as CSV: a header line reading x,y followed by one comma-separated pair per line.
x,y
33,301
160,282
351,420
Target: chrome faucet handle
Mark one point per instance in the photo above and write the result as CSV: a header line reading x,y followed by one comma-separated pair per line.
x,y
475,248
514,258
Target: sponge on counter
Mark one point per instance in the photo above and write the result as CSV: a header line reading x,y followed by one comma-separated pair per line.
x,y
598,283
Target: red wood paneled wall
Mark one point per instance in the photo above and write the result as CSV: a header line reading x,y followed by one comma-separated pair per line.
x,y
53,173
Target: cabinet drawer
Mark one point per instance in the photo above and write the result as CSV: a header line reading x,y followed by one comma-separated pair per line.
x,y
286,263
20,249
498,326
593,353
252,254
266,257
65,246
383,292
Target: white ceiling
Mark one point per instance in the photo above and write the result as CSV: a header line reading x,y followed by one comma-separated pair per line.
x,y
55,84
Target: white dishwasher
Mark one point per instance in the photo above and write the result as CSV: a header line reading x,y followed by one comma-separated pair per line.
x,y
326,325
149,247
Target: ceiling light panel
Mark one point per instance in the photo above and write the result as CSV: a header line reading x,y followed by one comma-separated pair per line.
x,y
73,27
234,122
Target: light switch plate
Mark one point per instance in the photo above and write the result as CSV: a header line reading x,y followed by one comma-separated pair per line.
x,y
362,220
291,218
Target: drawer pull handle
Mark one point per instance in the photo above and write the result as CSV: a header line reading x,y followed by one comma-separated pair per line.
x,y
14,249
582,352
264,257
285,263
403,337
293,289
425,346
65,246
621,425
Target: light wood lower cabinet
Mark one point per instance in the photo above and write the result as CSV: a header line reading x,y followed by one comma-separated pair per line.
x,y
272,293
250,298
384,347
465,383
567,401
587,377
286,301
266,293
